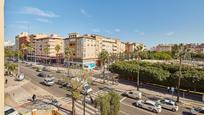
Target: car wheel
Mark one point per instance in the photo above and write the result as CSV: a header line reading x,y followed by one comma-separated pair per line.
x,y
155,111
174,110
140,106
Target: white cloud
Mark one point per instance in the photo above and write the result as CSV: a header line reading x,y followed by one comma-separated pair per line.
x,y
96,30
108,32
117,30
170,33
8,43
139,32
38,12
84,12
43,20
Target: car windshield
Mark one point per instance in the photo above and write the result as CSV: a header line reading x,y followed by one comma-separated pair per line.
x,y
157,104
9,111
197,109
87,87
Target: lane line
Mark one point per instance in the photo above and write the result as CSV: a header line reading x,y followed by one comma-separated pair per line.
x,y
124,113
138,108
123,99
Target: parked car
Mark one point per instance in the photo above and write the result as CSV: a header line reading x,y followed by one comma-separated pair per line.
x,y
20,77
168,104
197,111
42,74
58,71
149,105
49,81
62,83
39,69
133,94
10,111
45,69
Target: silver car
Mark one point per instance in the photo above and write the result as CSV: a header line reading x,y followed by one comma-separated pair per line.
x,y
197,111
168,104
10,111
149,105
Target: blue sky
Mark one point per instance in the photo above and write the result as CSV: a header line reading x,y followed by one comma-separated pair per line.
x,y
148,21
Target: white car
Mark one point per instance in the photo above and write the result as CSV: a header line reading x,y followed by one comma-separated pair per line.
x,y
168,104
133,94
87,88
197,111
49,81
149,105
10,111
20,77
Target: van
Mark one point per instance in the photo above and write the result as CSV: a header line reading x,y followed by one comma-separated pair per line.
x,y
133,94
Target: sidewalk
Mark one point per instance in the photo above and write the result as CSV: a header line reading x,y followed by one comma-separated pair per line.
x,y
19,93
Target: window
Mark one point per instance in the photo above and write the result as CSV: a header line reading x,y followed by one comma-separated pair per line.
x,y
9,111
130,92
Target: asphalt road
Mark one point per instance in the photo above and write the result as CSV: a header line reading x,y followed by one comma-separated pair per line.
x,y
126,105
129,109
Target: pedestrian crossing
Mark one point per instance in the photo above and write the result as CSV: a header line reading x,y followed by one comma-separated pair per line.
x,y
90,110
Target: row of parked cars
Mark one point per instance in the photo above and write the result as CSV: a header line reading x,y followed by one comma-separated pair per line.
x,y
157,105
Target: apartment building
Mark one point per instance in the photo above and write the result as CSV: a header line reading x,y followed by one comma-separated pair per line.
x,y
42,41
22,38
197,48
39,42
163,47
86,48
131,47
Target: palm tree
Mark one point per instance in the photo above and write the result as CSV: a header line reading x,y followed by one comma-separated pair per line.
x,y
75,88
57,49
68,55
30,48
23,48
46,51
11,67
180,52
137,52
103,57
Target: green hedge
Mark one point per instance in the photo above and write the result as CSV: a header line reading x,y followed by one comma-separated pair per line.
x,y
161,74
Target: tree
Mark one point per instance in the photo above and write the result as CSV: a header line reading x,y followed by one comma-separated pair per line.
x,y
57,49
138,50
75,87
109,103
104,57
46,51
23,49
11,67
68,55
180,52
30,48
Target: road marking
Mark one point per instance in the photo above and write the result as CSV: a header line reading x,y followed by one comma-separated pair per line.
x,y
123,99
138,108
124,113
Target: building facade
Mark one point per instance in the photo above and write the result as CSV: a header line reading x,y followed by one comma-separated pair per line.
x,y
131,47
38,43
86,48
163,47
